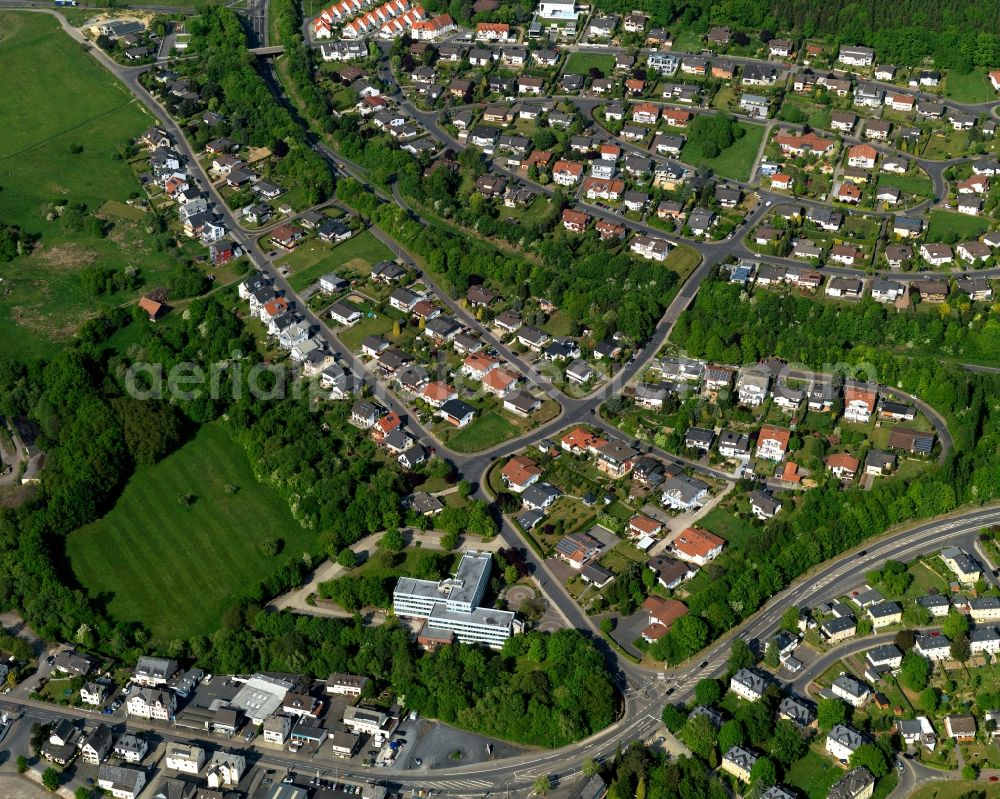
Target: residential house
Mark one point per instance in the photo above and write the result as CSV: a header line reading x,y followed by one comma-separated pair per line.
x,y
697,546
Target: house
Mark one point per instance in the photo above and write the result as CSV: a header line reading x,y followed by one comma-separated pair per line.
x,y
344,314
521,403
962,566
886,656
520,473
684,493
153,671
859,403
968,205
614,458
121,782
856,56
733,444
492,32
976,184
577,549
797,710
862,155
670,573
650,248
843,465
749,684
152,703
858,783
697,546
933,646
225,769
540,496
803,144
186,758
456,412
838,629
436,393
781,48
717,377
93,693
662,615
71,662
851,690
760,75
763,505
985,640
977,288
62,744
917,732
843,741
575,221
772,442
885,613
913,441
739,762
131,748
960,726
699,438
97,745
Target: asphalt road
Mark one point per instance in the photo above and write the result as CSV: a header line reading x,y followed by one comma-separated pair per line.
x,y
645,692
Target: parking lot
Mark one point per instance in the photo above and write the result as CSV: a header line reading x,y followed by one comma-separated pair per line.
x,y
436,745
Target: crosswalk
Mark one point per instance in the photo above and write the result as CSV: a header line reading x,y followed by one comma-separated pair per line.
x,y
463,785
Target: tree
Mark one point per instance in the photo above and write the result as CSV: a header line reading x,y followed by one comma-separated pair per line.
x,y
763,774
542,785
787,744
960,649
730,735
83,793
707,692
830,712
928,700
790,618
740,656
915,671
22,764
347,558
699,735
969,772
771,655
50,779
590,767
270,546
916,615
392,541
449,540
673,718
607,625
954,625
872,758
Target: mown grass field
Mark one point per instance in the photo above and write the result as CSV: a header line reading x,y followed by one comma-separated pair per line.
x,y
733,162
972,87
314,259
945,223
174,567
59,97
581,63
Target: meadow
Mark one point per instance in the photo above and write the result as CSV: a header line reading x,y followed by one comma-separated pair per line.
x,y
62,131
733,162
176,566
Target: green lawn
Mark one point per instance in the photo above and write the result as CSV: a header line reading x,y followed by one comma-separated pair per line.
x,y
813,775
357,253
735,530
972,87
945,223
953,789
174,567
914,183
682,260
378,325
733,162
482,433
581,63
64,99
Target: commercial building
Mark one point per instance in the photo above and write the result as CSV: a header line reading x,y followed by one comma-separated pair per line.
x,y
452,605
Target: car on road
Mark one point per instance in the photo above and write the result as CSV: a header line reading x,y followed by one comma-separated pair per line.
x,y
703,664
767,204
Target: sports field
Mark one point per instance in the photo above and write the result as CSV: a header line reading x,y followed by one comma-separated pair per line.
x,y
62,129
176,567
